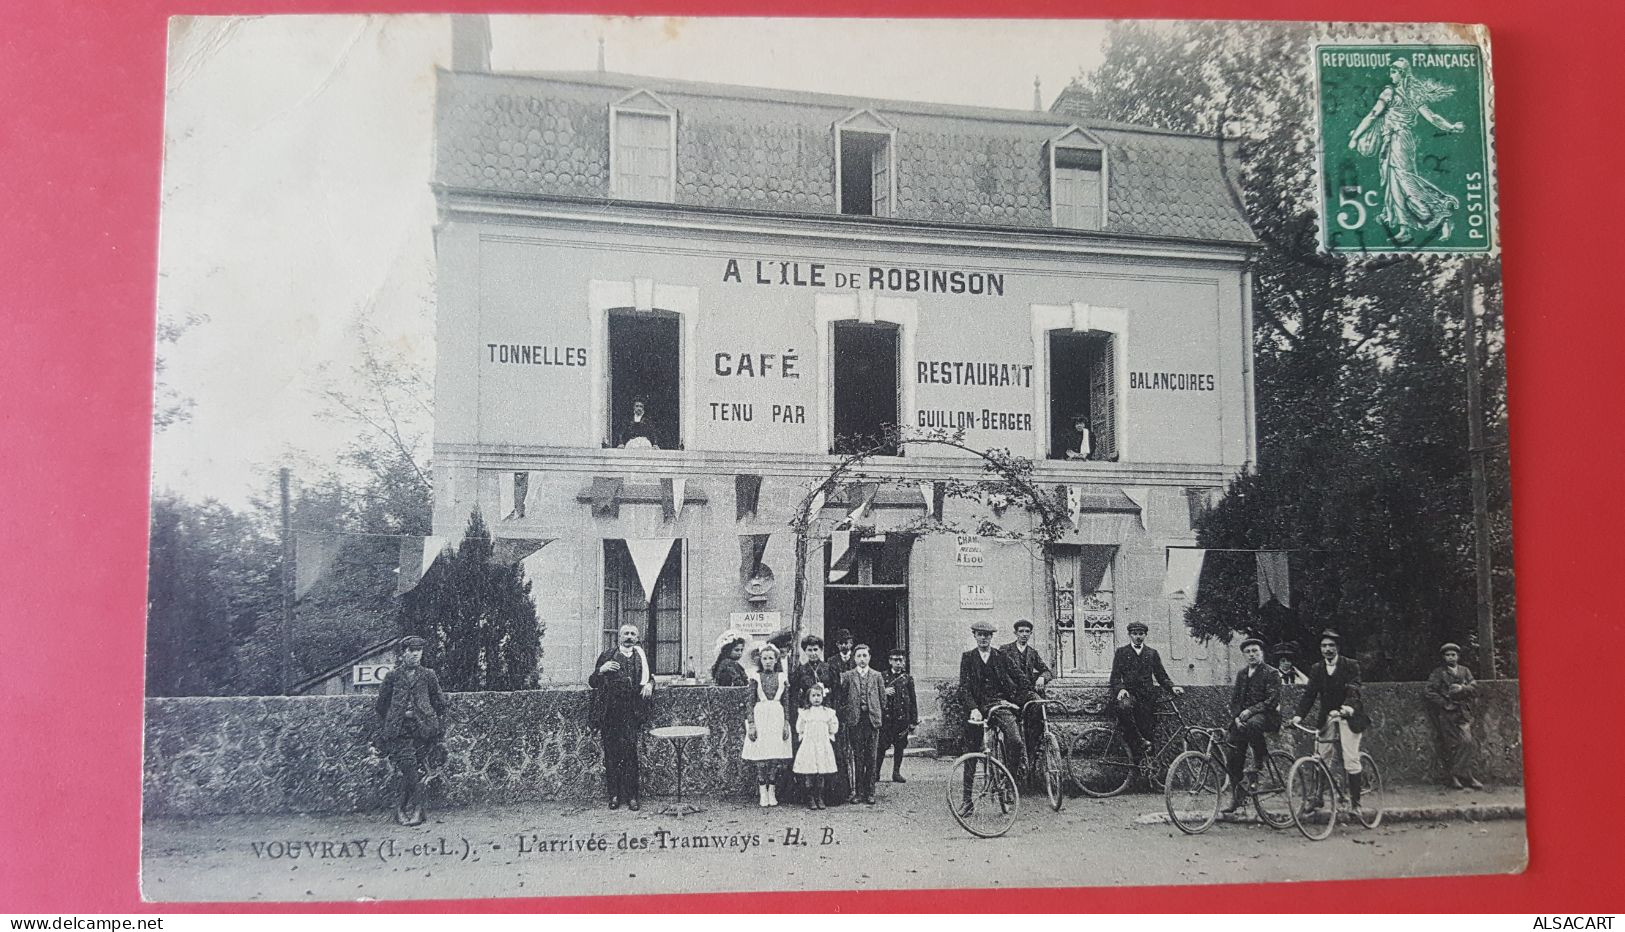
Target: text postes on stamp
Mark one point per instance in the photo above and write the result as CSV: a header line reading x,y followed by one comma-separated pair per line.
x,y
1404,145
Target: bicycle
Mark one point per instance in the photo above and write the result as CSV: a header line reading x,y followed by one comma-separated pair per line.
x,y
1197,780
1098,758
1311,783
1046,761
982,795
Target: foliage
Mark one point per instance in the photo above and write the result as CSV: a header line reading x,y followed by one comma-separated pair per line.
x,y
1362,426
202,593
478,615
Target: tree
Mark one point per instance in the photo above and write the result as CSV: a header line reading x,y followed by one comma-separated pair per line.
x,y
478,615
201,592
1362,465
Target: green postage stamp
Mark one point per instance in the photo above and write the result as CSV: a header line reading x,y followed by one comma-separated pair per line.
x,y
1404,154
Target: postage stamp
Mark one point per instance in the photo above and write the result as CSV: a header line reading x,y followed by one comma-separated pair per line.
x,y
1404,153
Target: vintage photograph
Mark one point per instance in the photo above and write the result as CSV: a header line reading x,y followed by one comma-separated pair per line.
x,y
604,455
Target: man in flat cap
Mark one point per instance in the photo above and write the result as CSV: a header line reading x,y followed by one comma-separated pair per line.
x,y
1451,693
1255,711
1034,674
993,690
1335,683
409,707
1137,673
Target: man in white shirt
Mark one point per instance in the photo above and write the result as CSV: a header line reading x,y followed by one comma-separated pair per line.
x,y
622,684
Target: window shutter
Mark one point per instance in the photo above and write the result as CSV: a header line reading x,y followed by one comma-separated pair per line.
x,y
1103,398
880,164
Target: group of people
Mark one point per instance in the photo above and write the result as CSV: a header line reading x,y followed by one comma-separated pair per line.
x,y
831,720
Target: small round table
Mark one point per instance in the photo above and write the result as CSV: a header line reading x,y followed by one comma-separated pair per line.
x,y
677,734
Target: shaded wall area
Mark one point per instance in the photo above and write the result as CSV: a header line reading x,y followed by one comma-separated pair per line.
x,y
215,756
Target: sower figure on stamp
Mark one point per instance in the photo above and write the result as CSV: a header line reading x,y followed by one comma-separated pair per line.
x,y
1137,674
409,707
902,715
1255,712
1451,693
1034,676
862,714
621,686
1335,683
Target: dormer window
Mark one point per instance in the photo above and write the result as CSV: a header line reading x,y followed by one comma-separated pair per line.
x,y
642,148
1077,172
865,171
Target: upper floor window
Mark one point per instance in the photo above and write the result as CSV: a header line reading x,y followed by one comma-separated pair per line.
x,y
642,148
645,388
1078,181
865,167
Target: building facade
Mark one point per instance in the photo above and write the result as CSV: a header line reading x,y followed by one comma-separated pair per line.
x,y
666,309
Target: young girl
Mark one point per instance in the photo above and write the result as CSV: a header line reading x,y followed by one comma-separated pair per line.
x,y
816,726
767,732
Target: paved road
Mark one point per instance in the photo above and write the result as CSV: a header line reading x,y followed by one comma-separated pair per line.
x,y
907,841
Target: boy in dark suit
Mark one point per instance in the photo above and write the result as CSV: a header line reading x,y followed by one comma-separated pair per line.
x,y
409,707
902,715
987,680
1137,673
1255,711
862,712
1335,683
1035,675
1451,692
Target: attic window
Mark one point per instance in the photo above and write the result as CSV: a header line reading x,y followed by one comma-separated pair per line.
x,y
643,146
865,165
1078,181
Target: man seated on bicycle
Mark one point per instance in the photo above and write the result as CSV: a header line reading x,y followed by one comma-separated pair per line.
x,y
993,689
1137,672
1335,682
1255,710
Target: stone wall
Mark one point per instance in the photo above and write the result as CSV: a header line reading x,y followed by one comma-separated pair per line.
x,y
208,756
1401,736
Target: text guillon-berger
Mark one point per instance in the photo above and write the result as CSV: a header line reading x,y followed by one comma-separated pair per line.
x,y
795,273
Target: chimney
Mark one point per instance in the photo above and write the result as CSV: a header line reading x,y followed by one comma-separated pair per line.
x,y
470,43
1038,95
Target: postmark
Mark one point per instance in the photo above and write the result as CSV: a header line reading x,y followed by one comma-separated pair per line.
x,y
1403,149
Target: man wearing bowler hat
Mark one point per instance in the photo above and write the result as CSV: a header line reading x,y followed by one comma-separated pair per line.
x,y
1451,693
1255,711
409,707
1137,672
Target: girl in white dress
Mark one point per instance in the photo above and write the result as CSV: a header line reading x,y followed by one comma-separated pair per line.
x,y
767,732
816,727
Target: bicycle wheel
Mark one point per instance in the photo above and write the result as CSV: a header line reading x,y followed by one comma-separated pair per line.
x,y
1195,783
1313,795
1053,763
1371,792
1099,761
1270,797
982,796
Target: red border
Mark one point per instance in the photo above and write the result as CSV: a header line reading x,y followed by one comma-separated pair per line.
x,y
80,148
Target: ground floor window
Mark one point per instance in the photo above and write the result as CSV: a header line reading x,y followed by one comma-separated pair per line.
x,y
645,386
659,615
867,594
1082,395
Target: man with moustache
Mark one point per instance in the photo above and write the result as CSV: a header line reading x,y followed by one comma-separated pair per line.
x,y
1335,684
1137,674
1255,712
622,684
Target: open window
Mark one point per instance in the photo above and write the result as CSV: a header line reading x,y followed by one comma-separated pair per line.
x,y
864,166
865,383
643,146
657,614
1082,395
645,380
1078,181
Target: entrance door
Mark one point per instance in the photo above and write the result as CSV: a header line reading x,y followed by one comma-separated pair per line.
x,y
874,615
